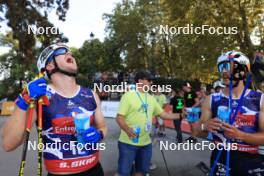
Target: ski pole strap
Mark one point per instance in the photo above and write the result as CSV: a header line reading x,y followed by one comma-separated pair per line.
x,y
44,100
215,162
231,111
231,121
230,96
227,158
240,101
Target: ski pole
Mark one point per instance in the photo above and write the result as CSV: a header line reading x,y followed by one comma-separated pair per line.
x,y
165,162
42,101
28,129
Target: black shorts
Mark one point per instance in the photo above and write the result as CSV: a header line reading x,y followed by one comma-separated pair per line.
x,y
97,170
241,163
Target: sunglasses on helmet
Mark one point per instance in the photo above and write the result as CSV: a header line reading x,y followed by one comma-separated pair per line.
x,y
224,65
58,52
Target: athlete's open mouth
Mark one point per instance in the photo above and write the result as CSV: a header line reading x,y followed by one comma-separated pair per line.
x,y
69,60
225,77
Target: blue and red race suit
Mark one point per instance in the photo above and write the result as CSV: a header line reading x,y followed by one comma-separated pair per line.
x,y
61,152
245,160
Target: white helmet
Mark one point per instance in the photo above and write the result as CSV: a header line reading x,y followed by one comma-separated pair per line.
x,y
46,54
239,57
218,84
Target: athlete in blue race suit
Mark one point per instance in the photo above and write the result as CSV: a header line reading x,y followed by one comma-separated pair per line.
x,y
62,153
239,121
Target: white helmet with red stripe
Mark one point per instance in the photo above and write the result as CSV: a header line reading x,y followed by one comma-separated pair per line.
x,y
239,58
46,54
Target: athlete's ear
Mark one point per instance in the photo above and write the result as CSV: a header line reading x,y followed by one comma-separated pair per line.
x,y
50,66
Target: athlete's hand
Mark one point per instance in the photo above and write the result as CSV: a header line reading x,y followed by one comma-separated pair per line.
x,y
232,132
213,125
92,136
37,88
130,133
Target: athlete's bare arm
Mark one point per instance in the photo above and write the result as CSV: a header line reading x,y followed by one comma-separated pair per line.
x,y
250,138
14,129
99,117
210,124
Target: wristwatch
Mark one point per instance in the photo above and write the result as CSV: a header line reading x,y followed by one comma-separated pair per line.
x,y
203,127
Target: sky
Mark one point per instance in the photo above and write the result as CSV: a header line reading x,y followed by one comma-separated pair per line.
x,y
83,17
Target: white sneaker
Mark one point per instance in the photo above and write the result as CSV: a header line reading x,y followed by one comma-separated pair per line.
x,y
152,166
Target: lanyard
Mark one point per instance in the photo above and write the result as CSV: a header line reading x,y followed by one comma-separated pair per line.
x,y
232,118
144,104
231,121
240,101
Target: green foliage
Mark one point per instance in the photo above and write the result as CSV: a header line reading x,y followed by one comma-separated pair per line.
x,y
95,56
183,56
133,38
20,63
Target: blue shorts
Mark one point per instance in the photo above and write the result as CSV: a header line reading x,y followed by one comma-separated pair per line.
x,y
193,114
130,153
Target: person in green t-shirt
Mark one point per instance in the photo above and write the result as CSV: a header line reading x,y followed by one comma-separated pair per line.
x,y
136,110
177,103
161,99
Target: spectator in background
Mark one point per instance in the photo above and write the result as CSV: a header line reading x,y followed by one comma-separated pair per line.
x,y
136,110
212,90
218,86
126,77
120,77
131,76
97,76
177,106
191,102
258,57
161,99
201,96
104,81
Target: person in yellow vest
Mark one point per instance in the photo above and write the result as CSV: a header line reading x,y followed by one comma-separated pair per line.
x,y
136,111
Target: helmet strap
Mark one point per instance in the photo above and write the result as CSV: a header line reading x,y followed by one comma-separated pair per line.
x,y
236,74
236,82
57,69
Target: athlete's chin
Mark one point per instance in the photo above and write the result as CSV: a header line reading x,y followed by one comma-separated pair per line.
x,y
226,82
73,69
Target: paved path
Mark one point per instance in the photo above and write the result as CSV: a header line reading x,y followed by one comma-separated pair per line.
x,y
180,163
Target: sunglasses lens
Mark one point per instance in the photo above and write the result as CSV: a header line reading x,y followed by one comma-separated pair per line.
x,y
225,65
60,51
57,52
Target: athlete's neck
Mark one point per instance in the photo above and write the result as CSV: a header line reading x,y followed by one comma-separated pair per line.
x,y
236,91
64,85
